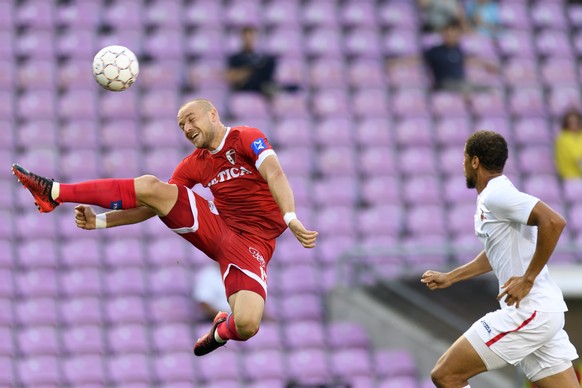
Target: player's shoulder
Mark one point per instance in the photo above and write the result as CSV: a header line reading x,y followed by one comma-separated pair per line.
x,y
243,129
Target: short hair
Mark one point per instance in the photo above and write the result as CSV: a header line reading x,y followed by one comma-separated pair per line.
x,y
453,23
571,112
491,149
248,29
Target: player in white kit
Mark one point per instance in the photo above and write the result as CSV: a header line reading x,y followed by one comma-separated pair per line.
x,y
519,233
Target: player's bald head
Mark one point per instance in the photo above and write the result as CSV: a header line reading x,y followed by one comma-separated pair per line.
x,y
199,105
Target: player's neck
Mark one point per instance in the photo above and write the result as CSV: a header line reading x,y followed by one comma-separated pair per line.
x,y
219,138
484,178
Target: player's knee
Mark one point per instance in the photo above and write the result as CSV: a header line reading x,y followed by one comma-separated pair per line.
x,y
147,186
247,327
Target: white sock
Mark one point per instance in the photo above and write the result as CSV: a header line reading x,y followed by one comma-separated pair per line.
x,y
55,190
217,337
467,386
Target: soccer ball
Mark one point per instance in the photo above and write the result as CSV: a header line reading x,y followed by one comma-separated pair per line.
x,y
115,68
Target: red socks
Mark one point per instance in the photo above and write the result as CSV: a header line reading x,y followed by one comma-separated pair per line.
x,y
107,193
227,330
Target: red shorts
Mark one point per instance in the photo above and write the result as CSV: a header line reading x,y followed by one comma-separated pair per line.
x,y
243,259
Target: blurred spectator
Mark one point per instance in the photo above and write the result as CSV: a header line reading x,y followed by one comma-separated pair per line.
x,y
250,69
436,14
483,16
568,147
209,291
447,62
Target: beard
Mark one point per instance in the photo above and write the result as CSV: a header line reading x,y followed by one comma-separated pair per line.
x,y
470,182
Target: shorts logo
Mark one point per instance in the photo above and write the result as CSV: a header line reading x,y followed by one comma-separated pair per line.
x,y
259,145
115,205
486,326
231,156
257,255
212,207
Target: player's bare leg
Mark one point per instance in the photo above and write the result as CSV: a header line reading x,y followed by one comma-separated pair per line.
x,y
565,379
457,365
247,311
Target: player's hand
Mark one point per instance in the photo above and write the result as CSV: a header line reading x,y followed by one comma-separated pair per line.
x,y
515,289
435,280
306,237
84,217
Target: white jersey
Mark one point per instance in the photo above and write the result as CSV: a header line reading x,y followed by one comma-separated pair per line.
x,y
501,224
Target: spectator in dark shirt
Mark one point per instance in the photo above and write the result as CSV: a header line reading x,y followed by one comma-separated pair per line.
x,y
249,69
447,62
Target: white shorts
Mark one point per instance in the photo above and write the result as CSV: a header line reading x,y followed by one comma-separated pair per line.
x,y
534,340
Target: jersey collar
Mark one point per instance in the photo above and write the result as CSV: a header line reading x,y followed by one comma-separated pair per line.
x,y
222,142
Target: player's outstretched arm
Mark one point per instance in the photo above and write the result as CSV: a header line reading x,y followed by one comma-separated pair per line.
x,y
85,217
435,280
273,174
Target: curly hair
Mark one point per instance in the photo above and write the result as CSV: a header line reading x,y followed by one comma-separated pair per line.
x,y
491,149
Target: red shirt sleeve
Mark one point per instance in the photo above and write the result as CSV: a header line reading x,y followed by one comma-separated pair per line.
x,y
255,146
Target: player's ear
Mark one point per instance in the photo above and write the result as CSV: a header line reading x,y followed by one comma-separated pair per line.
x,y
475,162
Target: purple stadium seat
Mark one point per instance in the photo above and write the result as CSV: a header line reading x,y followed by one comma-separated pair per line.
x,y
544,186
162,72
357,13
320,13
161,162
131,338
239,15
348,363
37,311
281,13
83,339
574,218
304,335
413,160
39,371
261,365
286,42
291,71
125,14
527,101
331,248
335,191
333,131
118,107
423,250
9,135
162,133
455,187
514,14
6,229
37,133
336,219
8,73
532,130
171,309
81,311
290,252
424,219
480,45
336,161
401,42
7,317
574,13
122,310
78,104
175,367
172,337
498,124
161,251
398,14
172,280
410,102
7,111
79,14
202,13
452,131
165,43
363,42
84,370
38,340
370,102
413,131
301,307
36,13
380,220
562,98
248,105
73,73
293,132
521,72
36,104
129,368
377,161
206,43
160,104
72,134
7,288
82,252
398,382
121,163
327,73
77,43
37,253
559,71
6,43
365,72
220,365
516,43
555,43
460,216
7,376
208,73
37,282
299,279
373,130
267,339
125,281
489,104
79,165
549,14
124,252
380,189
164,13
6,254
325,42
37,74
448,104
421,190
573,190
347,335
7,15
308,366
536,160
6,344
394,362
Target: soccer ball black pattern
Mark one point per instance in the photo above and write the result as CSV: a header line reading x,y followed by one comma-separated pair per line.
x,y
115,68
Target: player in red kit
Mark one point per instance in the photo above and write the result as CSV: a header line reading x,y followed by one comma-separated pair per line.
x,y
253,204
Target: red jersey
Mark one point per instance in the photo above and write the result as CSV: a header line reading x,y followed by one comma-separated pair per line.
x,y
241,195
